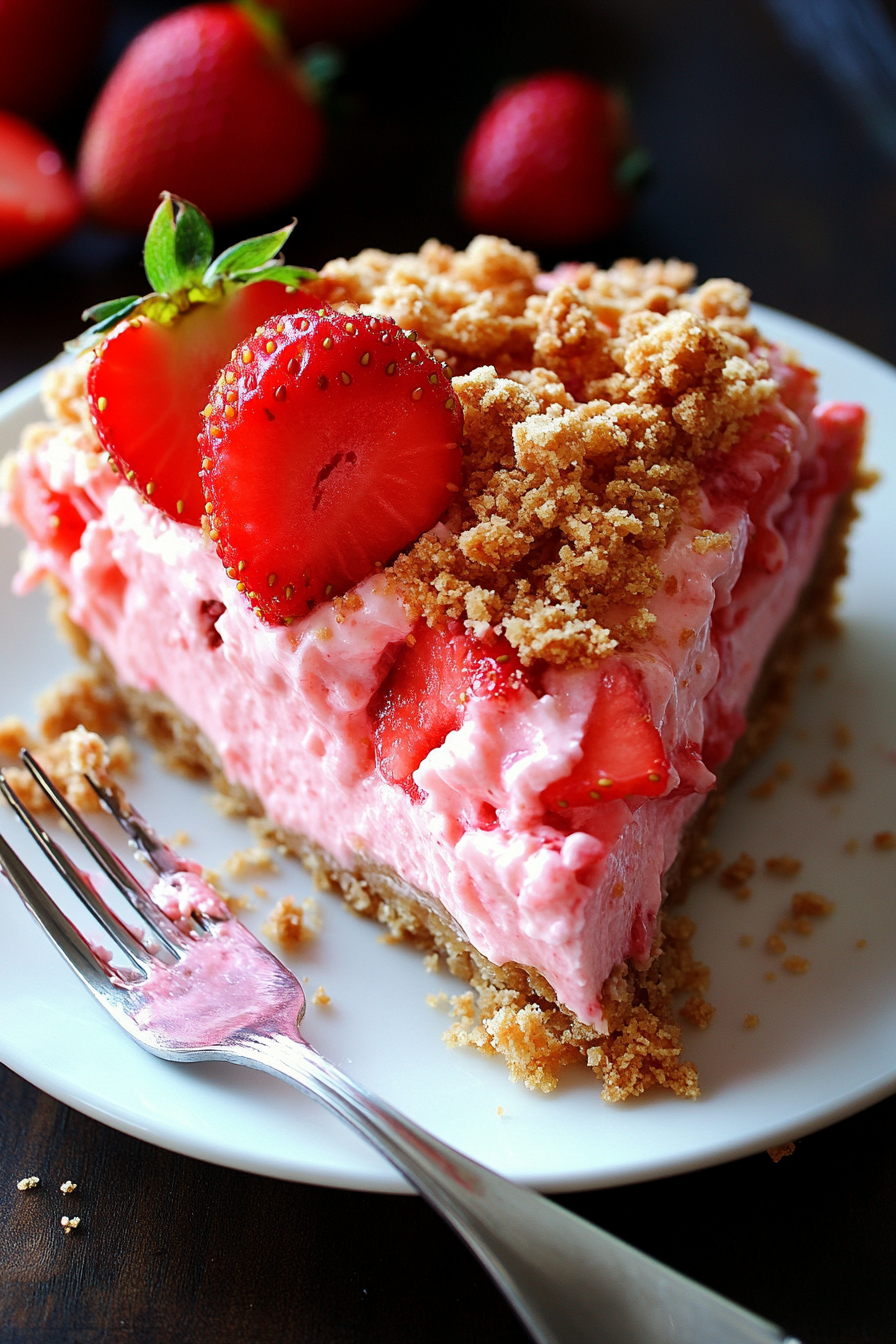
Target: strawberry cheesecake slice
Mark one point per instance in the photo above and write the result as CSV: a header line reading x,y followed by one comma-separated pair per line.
x,y
490,579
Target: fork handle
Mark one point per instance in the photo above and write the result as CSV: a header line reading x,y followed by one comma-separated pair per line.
x,y
570,1282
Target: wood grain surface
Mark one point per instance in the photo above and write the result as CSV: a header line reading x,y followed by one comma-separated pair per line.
x,y
760,173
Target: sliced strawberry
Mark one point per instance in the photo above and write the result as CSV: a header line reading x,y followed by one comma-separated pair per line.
x,y
425,695
331,442
150,380
622,752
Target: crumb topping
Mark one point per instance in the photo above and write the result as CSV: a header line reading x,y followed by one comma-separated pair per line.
x,y
68,1187
66,760
590,403
28,1183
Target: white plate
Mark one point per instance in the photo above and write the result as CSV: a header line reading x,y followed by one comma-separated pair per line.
x,y
825,1044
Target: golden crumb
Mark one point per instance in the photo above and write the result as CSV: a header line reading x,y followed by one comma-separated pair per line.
x,y
500,1110
80,699
851,845
589,412
783,866
66,761
862,942
255,859
776,944
69,1224
68,1187
439,1000
431,962
810,904
28,1183
795,965
884,840
745,940
321,998
290,925
697,1011
802,925
770,976
837,780
15,736
751,1021
179,840
738,872
841,735
782,1150
259,891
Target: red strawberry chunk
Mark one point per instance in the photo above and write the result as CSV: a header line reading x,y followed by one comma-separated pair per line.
x,y
424,697
50,519
150,381
622,752
331,442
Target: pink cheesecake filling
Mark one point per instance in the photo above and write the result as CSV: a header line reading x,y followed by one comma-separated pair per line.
x,y
286,709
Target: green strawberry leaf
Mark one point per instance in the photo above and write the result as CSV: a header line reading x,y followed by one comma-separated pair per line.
x,y
194,243
247,256
111,308
287,275
116,310
159,257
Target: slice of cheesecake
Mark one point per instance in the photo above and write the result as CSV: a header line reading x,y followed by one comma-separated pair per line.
x,y
503,741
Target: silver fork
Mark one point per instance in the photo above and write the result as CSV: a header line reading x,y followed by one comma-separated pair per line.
x,y
570,1282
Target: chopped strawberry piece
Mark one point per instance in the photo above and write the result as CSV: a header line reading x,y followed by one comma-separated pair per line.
x,y
331,442
622,752
49,518
424,697
150,381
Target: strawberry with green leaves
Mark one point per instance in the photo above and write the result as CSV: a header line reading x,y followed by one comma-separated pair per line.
x,y
157,356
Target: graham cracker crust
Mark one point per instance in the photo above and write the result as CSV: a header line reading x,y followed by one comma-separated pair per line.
x,y
511,1010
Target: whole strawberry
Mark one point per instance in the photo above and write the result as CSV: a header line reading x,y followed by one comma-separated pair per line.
x,y
155,357
39,201
331,442
547,162
205,102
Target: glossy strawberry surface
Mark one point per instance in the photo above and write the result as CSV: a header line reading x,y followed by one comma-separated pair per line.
x,y
622,751
331,442
149,383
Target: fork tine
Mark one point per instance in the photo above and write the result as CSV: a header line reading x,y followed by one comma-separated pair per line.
x,y
131,946
159,855
108,860
72,945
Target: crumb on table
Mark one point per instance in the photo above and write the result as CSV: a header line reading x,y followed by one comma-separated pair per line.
x,y
439,1000
745,940
809,903
795,965
862,942
68,1187
431,962
290,925
179,840
776,944
69,1224
321,998
884,840
838,779
751,1021
784,865
770,976
738,872
28,1183
781,1150
851,845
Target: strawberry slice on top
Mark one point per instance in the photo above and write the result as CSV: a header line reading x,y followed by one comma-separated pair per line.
x,y
151,373
331,442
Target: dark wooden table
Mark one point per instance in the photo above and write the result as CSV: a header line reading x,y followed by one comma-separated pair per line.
x,y
760,173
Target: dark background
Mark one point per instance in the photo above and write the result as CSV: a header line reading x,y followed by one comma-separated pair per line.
x,y
761,173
